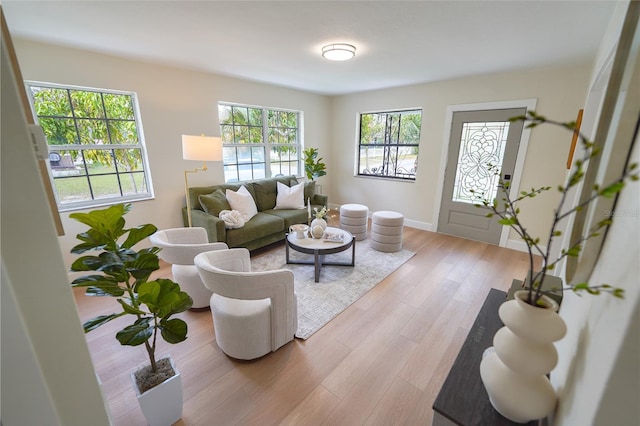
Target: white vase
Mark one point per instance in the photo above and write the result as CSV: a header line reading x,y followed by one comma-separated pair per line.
x,y
515,371
162,404
317,232
319,222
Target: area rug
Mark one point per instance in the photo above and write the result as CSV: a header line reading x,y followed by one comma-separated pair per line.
x,y
339,286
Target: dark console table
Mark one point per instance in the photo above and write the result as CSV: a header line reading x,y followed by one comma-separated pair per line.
x,y
463,399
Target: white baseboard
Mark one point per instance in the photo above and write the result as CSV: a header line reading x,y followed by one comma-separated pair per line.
x,y
517,245
425,226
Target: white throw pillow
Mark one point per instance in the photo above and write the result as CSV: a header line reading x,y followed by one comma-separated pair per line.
x,y
290,198
242,201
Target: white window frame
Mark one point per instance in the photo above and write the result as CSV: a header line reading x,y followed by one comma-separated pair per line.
x,y
410,175
230,148
97,201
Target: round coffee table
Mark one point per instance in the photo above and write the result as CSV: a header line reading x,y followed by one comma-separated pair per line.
x,y
320,247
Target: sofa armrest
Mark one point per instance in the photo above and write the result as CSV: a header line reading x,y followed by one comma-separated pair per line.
x,y
216,230
320,200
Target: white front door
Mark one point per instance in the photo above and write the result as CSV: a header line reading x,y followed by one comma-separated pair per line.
x,y
478,138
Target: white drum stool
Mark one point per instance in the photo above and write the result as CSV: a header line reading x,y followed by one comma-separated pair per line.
x,y
386,231
354,219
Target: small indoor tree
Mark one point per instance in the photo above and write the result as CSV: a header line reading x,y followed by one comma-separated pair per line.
x,y
124,275
508,213
314,167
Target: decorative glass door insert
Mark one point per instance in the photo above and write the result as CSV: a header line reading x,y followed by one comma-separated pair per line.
x,y
481,145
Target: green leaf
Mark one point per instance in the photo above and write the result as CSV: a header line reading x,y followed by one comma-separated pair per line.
x,y
91,280
136,334
612,189
110,262
86,263
138,234
143,265
101,218
507,221
96,322
173,330
130,309
618,292
99,285
149,294
164,297
106,224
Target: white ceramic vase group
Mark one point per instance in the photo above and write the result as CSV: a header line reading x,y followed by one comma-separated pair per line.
x,y
514,371
315,223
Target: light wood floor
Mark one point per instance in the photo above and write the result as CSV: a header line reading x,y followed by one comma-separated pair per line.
x,y
381,362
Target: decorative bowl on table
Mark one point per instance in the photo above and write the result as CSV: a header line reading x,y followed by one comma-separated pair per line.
x,y
300,229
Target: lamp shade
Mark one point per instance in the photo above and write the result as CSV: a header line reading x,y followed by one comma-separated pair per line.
x,y
339,51
201,148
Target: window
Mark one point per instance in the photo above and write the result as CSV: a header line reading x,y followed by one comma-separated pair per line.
x,y
389,143
259,142
96,149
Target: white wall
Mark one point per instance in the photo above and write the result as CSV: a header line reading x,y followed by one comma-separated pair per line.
x,y
598,374
560,93
47,374
172,102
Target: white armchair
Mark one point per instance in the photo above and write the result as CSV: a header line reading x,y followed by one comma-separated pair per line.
x,y
254,313
179,247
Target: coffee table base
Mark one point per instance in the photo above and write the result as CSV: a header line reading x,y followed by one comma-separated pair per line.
x,y
318,256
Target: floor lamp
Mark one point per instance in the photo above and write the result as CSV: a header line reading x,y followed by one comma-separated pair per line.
x,y
199,148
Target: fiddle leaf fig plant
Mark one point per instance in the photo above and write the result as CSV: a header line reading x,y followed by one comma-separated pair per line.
x,y
508,213
124,275
314,167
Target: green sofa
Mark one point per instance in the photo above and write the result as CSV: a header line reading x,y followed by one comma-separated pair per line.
x,y
267,227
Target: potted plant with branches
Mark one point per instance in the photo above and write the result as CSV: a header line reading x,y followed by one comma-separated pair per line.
x,y
508,214
314,167
124,274
514,371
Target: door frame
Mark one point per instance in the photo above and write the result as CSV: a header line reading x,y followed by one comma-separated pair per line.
x,y
529,104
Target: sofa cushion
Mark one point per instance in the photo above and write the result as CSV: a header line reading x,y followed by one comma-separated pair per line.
x,y
196,191
289,197
243,202
309,190
215,202
261,225
290,217
265,191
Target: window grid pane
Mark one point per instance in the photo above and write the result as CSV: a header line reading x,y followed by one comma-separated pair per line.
x,y
99,131
389,144
265,131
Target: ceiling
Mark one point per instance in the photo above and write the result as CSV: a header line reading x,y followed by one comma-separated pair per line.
x,y
279,42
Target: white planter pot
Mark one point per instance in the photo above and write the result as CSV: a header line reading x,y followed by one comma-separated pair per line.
x,y
514,372
162,405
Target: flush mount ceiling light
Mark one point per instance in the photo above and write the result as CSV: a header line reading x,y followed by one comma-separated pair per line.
x,y
338,52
